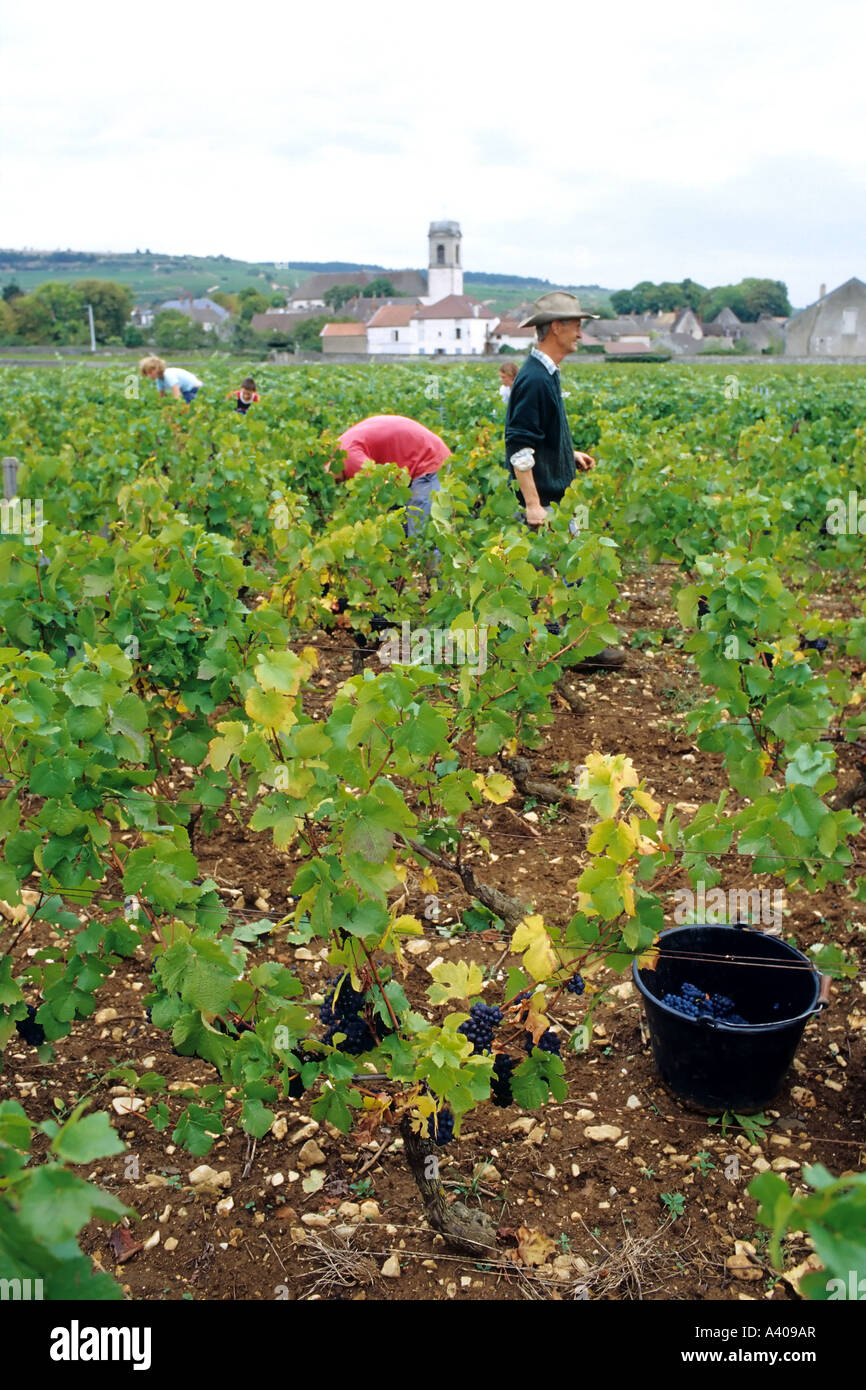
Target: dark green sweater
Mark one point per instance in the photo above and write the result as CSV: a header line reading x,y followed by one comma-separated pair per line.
x,y
536,419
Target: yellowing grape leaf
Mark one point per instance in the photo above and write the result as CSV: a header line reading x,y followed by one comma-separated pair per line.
x,y
622,843
539,957
495,787
222,749
647,803
454,980
604,779
270,708
535,1022
625,881
406,925
428,882
283,670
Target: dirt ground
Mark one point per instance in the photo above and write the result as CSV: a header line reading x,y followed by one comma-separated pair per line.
x,y
605,1230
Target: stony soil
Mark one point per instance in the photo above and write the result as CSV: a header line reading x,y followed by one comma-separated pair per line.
x,y
598,1178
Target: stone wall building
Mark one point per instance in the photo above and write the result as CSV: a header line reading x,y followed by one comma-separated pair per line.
x,y
834,326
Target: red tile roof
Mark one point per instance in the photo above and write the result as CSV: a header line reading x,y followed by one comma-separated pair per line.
x,y
343,330
510,328
393,316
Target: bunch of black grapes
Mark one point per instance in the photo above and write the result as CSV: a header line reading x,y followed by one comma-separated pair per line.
x,y
28,1029
548,1042
296,1086
500,1083
577,984
342,1012
440,1128
378,622
480,1026
694,1003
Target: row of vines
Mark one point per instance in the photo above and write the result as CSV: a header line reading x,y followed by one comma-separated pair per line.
x,y
158,671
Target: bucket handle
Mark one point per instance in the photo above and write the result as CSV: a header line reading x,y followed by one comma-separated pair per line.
x,y
824,993
821,1004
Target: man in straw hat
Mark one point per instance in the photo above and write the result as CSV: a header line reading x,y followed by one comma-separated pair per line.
x,y
538,443
539,449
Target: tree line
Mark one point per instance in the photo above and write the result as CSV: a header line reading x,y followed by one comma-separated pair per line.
x,y
55,314
748,299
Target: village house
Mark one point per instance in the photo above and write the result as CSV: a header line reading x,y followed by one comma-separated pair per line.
x,y
344,337
364,309
765,335
726,324
622,330
834,326
457,324
391,330
687,324
508,333
142,315
279,323
212,317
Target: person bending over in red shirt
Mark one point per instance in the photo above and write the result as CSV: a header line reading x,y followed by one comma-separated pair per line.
x,y
397,439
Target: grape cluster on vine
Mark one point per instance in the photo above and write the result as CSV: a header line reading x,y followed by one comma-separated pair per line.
x,y
440,1128
296,1086
342,1013
548,1042
500,1083
577,984
28,1029
480,1026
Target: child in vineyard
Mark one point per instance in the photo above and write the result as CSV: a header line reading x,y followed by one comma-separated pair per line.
x,y
507,373
245,396
178,380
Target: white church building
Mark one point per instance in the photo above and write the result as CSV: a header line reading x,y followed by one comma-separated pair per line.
x,y
444,320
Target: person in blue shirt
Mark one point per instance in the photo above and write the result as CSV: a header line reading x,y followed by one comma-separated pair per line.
x,y
177,380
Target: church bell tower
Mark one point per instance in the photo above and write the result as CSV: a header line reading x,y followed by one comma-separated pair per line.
x,y
445,268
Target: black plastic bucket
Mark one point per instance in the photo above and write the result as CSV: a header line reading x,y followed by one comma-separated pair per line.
x,y
717,1066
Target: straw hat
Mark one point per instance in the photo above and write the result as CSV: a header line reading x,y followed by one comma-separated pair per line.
x,y
556,305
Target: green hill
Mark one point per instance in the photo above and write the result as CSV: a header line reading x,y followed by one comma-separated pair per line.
x,y
153,277
150,277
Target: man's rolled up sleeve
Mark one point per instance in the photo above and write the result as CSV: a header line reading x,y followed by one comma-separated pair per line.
x,y
523,460
523,427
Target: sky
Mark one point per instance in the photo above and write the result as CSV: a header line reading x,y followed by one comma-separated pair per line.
x,y
584,145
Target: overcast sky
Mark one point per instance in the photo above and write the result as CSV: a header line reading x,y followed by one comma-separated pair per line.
x,y
603,145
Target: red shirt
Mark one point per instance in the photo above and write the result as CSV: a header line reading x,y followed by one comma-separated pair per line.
x,y
393,439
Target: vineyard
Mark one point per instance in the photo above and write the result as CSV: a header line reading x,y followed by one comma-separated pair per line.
x,y
326,861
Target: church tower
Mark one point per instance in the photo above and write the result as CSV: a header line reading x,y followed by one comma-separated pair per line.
x,y
445,272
